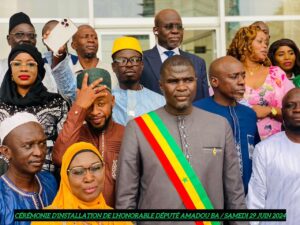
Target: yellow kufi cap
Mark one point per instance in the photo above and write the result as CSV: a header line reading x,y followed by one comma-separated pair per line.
x,y
126,43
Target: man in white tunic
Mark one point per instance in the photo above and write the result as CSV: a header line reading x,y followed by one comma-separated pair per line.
x,y
275,180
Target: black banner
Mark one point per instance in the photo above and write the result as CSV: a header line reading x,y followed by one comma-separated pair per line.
x,y
150,215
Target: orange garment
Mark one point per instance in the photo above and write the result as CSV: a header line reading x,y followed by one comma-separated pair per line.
x,y
75,129
66,200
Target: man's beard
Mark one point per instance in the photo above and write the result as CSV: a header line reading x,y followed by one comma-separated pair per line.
x,y
90,55
100,129
129,82
292,128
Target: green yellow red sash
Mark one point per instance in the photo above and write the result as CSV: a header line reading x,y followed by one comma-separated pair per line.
x,y
178,169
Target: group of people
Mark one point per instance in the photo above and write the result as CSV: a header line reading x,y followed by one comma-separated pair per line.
x,y
143,132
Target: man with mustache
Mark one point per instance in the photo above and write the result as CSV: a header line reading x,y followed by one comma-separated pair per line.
x,y
170,153
20,31
169,30
24,185
227,78
90,120
132,98
85,43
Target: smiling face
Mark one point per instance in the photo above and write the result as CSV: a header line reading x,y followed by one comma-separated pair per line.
x,y
99,113
259,47
168,29
27,148
24,71
130,73
178,84
285,58
85,42
88,186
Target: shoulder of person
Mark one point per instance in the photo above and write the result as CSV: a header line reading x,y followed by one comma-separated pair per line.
x,y
201,103
212,118
247,110
118,129
277,72
149,51
275,138
193,57
60,99
153,93
46,178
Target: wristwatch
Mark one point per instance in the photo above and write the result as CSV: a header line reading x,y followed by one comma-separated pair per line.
x,y
273,111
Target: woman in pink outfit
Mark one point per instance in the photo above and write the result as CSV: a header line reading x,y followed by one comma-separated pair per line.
x,y
265,84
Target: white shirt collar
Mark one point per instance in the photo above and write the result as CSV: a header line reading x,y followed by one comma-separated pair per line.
x,y
161,51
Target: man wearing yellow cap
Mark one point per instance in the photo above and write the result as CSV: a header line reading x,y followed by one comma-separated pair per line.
x,y
132,99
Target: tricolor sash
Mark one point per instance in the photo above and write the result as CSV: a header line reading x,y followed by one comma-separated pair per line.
x,y
172,159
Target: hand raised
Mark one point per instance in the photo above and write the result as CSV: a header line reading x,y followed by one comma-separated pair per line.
x,y
89,93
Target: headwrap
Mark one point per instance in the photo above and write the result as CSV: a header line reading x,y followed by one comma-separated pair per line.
x,y
94,74
18,18
10,123
126,43
65,199
37,94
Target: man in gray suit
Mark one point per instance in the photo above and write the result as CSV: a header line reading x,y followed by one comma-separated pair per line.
x,y
205,145
169,30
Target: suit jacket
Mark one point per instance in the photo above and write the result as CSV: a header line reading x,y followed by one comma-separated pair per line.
x,y
142,183
151,73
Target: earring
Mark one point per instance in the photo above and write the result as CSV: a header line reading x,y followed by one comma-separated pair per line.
x,y
4,158
12,78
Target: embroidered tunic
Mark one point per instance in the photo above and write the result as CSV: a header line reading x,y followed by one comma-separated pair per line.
x,y
11,197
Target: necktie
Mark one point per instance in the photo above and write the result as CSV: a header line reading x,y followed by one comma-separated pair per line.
x,y
169,53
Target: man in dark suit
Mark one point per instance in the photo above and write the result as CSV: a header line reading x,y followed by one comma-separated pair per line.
x,y
169,32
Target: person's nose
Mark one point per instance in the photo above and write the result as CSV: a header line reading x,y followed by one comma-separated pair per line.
x,y
89,176
241,80
38,150
175,29
23,67
91,38
181,86
95,110
286,56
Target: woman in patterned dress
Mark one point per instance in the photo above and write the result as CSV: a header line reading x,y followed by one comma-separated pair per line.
x,y
265,84
22,90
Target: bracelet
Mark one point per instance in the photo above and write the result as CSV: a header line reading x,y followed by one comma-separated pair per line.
x,y
273,111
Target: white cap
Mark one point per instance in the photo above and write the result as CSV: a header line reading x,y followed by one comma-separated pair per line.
x,y
10,123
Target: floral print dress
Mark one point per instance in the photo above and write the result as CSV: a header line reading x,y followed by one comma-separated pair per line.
x,y
270,93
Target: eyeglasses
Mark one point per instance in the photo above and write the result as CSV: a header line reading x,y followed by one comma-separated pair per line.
x,y
21,35
171,26
122,61
81,171
18,64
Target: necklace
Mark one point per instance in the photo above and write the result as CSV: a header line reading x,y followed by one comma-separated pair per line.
x,y
254,70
